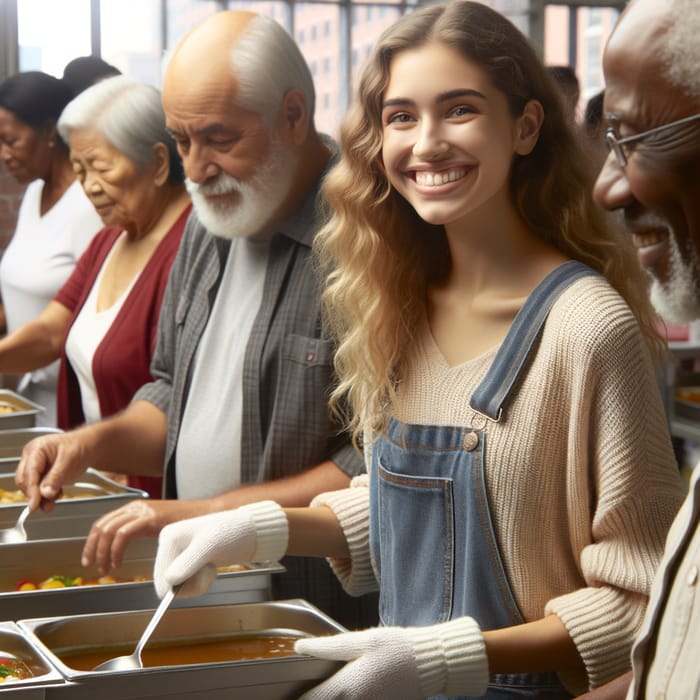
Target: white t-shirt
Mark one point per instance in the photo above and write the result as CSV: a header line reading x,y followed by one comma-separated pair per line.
x,y
86,333
207,457
39,259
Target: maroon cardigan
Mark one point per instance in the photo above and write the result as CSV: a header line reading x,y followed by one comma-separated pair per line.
x,y
122,360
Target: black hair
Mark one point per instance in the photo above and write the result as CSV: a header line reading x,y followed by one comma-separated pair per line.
x,y
35,98
84,71
593,116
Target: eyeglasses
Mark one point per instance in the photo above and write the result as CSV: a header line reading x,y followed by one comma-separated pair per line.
x,y
616,144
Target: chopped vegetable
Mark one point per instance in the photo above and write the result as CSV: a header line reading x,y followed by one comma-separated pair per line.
x,y
12,669
58,581
26,586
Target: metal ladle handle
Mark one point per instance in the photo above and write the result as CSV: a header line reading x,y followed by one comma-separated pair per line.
x,y
153,623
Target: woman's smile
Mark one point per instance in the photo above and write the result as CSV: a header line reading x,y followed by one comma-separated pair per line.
x,y
432,178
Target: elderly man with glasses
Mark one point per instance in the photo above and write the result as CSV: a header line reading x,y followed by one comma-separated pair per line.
x,y
652,176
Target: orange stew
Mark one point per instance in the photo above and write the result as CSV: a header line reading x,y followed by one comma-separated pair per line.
x,y
236,648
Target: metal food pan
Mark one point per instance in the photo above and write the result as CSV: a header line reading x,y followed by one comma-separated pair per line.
x,y
14,642
93,495
37,561
282,678
23,414
12,443
684,405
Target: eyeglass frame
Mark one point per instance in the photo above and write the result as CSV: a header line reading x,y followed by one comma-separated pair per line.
x,y
615,144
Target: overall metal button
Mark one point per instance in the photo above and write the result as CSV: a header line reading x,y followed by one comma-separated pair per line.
x,y
693,576
471,440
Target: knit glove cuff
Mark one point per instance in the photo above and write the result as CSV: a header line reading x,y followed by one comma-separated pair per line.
x,y
450,657
271,529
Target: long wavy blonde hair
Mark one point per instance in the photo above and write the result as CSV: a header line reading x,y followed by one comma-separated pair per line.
x,y
379,257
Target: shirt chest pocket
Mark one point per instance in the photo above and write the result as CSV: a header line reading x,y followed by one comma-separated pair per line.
x,y
307,352
305,382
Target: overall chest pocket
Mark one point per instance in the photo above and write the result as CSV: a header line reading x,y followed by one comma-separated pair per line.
x,y
415,541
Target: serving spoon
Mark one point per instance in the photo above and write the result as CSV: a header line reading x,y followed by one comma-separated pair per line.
x,y
16,533
133,660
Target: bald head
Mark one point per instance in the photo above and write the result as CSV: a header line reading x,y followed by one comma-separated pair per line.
x,y
207,49
666,34
252,54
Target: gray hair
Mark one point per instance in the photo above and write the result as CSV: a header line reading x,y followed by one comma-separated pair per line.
x,y
680,53
267,63
127,113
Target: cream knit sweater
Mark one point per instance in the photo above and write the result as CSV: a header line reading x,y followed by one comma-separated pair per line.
x,y
580,472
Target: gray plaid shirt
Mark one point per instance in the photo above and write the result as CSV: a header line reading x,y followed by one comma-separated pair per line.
x,y
287,371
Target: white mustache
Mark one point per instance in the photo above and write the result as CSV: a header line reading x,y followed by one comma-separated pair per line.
x,y
223,184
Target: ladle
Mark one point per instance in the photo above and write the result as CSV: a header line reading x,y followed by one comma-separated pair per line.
x,y
133,660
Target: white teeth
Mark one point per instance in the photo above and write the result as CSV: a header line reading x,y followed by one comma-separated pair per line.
x,y
436,179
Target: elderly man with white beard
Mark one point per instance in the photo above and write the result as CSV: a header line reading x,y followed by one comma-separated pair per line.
x,y
237,412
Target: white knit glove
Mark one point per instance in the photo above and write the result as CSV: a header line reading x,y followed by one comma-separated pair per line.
x,y
406,663
191,550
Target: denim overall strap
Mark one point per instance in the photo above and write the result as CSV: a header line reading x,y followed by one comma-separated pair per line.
x,y
490,396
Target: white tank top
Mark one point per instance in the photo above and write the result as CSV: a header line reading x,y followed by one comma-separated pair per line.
x,y
86,334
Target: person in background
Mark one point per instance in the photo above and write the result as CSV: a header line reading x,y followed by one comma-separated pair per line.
x,y
652,109
238,411
593,131
498,360
56,220
567,81
102,323
84,71
593,121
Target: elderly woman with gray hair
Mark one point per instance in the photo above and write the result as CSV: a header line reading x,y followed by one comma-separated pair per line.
x,y
102,323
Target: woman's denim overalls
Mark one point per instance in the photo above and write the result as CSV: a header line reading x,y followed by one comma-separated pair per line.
x,y
431,533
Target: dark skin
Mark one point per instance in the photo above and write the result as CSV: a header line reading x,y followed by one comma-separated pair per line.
x,y
657,192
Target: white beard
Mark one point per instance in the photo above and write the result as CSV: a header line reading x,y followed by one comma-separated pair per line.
x,y
678,299
253,203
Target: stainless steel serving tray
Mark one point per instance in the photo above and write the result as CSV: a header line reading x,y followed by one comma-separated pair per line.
x,y
72,517
264,679
37,561
24,413
13,441
684,406
14,642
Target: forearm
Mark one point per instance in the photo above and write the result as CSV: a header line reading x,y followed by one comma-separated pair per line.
x,y
131,442
315,532
33,345
290,492
542,645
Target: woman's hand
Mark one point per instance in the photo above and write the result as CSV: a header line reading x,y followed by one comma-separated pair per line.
x,y
191,550
406,663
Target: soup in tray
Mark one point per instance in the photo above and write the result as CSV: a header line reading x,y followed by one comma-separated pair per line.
x,y
242,647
